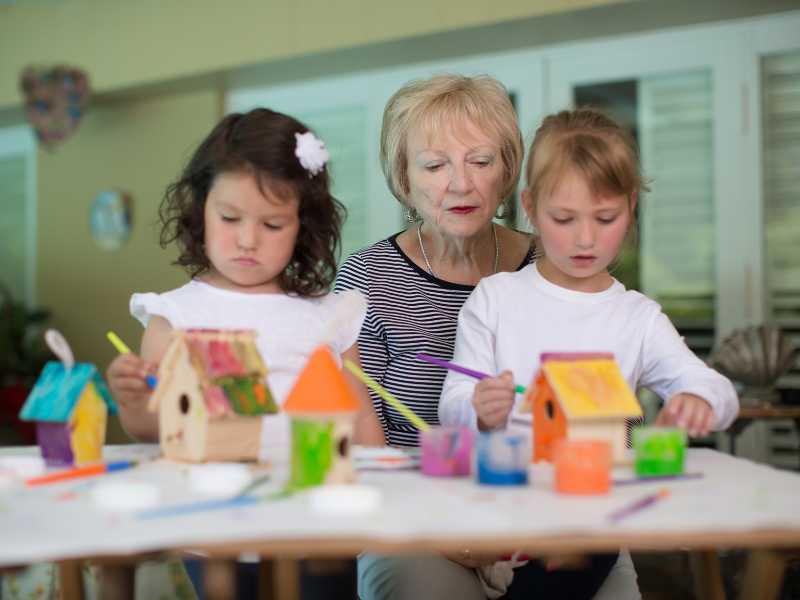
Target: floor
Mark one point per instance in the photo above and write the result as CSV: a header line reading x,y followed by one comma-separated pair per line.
x,y
666,576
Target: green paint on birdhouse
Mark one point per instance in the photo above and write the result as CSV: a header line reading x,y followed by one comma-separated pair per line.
x,y
312,451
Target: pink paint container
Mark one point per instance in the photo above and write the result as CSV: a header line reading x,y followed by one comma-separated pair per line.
x,y
447,451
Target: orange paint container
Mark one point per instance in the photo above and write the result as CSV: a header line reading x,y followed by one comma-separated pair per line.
x,y
582,467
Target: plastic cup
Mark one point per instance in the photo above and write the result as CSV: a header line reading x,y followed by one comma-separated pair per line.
x,y
446,451
582,467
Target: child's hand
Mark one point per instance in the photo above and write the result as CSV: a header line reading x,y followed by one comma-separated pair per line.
x,y
493,400
689,412
127,380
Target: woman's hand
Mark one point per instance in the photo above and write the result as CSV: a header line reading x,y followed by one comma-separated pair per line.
x,y
569,562
689,412
471,560
493,400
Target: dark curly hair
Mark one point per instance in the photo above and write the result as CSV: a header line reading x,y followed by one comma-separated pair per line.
x,y
262,142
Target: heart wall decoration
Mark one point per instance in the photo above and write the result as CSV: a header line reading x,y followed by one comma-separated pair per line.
x,y
55,100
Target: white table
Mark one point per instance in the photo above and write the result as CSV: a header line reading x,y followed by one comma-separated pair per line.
x,y
737,504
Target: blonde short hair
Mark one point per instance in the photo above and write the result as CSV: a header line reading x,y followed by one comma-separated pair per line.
x,y
438,103
592,144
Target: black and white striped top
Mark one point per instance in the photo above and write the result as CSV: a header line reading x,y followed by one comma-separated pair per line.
x,y
408,311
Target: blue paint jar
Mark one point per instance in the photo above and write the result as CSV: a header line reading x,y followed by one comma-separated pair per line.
x,y
503,458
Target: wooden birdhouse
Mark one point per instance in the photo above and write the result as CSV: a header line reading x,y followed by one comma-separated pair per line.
x,y
70,405
580,396
322,408
211,396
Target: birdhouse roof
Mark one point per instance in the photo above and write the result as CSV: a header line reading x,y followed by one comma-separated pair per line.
x,y
216,353
321,388
589,386
57,391
228,366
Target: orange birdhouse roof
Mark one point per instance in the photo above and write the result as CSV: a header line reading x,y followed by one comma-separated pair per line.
x,y
321,387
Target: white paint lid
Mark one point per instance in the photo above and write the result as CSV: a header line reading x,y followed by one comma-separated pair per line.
x,y
125,496
344,500
219,479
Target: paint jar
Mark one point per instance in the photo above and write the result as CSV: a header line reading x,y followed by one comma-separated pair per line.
x,y
446,451
659,451
582,467
502,458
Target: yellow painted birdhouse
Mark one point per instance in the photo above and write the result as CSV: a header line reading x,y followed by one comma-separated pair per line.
x,y
580,396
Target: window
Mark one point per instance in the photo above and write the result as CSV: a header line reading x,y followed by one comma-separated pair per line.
x,y
669,116
716,112
667,103
18,226
780,88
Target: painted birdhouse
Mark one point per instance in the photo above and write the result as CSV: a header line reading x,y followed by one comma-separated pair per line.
x,y
322,407
70,405
580,396
211,396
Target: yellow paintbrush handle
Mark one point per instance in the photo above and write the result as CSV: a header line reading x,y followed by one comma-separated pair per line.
x,y
383,393
118,343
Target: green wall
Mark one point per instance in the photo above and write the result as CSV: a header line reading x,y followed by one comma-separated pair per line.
x,y
137,146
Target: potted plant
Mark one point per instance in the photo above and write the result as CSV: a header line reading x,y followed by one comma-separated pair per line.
x,y
23,354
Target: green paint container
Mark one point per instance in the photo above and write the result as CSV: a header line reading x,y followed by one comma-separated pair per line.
x,y
659,451
312,452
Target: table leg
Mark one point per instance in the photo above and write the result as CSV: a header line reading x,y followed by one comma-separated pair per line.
x,y
763,576
706,575
287,579
70,576
117,581
219,579
266,579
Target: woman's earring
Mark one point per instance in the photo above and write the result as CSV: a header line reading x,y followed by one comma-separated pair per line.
x,y
501,212
411,215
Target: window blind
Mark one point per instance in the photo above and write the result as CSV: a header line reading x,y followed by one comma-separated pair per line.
x,y
677,215
781,155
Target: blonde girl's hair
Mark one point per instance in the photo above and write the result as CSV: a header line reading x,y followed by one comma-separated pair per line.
x,y
590,143
444,102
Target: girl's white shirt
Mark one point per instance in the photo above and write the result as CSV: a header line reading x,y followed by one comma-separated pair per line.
x,y
512,318
289,328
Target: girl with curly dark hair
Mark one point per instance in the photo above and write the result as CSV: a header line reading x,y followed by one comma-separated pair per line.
x,y
258,232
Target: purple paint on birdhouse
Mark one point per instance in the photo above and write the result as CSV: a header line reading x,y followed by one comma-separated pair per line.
x,y
54,440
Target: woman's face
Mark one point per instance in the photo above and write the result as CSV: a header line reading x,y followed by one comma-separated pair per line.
x,y
455,179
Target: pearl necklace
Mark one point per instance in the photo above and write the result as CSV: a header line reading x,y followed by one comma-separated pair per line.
x,y
428,263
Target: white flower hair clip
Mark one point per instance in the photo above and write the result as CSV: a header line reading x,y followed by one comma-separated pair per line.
x,y
312,152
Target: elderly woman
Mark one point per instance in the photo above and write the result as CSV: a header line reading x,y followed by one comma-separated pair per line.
x,y
451,151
